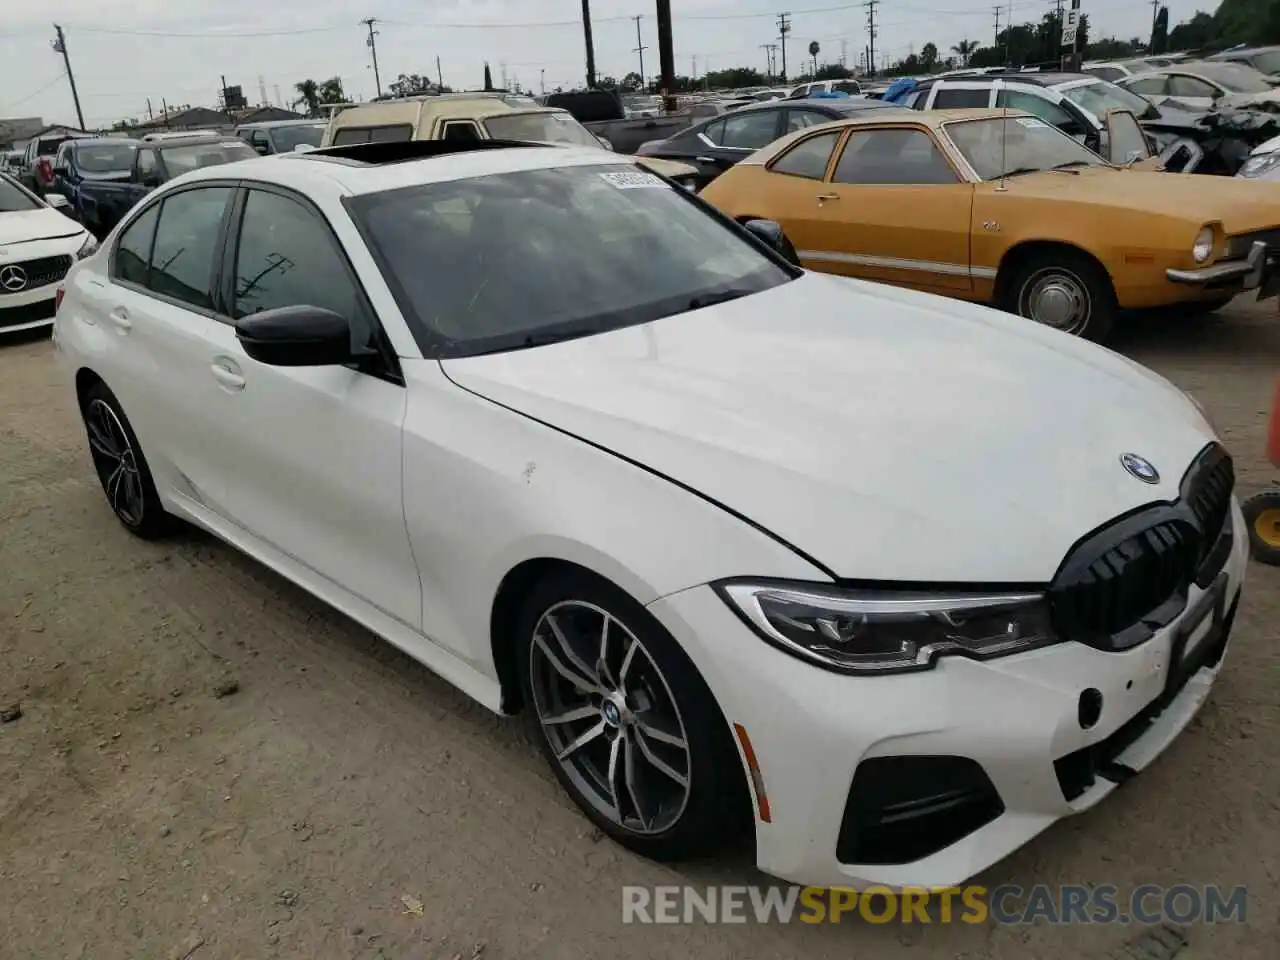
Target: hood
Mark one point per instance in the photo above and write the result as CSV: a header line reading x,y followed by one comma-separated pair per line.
x,y
888,434
1269,100
1177,195
668,168
42,224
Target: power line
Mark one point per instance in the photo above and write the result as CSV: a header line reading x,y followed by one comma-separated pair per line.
x,y
373,49
39,90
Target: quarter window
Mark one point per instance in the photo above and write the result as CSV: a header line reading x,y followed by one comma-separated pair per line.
x,y
808,158
1046,110
398,132
133,252
183,257
1149,86
892,156
286,258
948,97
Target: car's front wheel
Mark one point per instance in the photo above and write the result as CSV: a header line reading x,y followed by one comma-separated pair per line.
x,y
1065,290
630,728
122,469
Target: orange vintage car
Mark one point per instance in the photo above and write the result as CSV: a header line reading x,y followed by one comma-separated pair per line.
x,y
997,206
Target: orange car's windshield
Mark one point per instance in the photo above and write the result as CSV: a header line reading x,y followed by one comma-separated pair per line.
x,y
1002,146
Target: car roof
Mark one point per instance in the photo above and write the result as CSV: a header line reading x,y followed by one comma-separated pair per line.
x,y
268,124
339,171
168,142
1242,51
469,107
99,141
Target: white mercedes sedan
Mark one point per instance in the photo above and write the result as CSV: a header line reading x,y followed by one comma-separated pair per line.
x,y
38,245
886,581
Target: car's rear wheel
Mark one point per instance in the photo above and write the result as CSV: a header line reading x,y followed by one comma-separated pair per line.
x,y
629,727
121,467
1064,290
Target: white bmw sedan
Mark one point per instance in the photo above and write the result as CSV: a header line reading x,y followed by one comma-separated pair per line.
x,y
38,245
891,581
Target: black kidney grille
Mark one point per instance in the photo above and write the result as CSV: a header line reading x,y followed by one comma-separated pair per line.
x,y
1131,577
1128,580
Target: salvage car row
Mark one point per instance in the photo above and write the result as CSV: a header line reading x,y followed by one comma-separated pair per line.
x,y
418,374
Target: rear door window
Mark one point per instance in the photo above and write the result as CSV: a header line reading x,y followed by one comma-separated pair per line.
x,y
183,256
954,97
809,158
750,131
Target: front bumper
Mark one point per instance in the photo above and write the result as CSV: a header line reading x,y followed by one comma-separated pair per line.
x,y
1250,273
1016,720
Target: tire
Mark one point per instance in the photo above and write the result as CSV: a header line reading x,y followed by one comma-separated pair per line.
x,y
1262,516
121,467
666,702
1065,290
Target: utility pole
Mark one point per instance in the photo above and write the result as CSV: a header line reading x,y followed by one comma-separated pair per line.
x,y
640,49
60,46
784,28
666,57
1151,44
440,76
871,34
996,45
542,80
591,50
150,116
373,49
768,49
226,102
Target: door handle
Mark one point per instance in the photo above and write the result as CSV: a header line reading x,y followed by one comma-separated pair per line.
x,y
120,318
710,160
828,196
227,375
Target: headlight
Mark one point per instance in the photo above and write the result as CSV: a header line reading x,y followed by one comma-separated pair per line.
x,y
1202,249
883,631
87,248
1257,166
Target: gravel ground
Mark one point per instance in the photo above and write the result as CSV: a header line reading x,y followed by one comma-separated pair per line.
x,y
210,763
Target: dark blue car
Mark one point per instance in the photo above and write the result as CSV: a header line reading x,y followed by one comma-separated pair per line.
x,y
95,160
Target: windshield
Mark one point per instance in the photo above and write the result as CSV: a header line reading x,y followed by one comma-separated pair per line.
x,y
512,260
188,157
1268,62
1002,145
105,158
558,127
1236,77
286,138
47,148
13,199
1097,98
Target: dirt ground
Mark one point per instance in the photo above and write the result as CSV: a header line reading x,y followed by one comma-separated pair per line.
x,y
144,816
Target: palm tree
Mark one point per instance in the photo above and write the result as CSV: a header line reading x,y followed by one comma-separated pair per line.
x,y
964,50
308,94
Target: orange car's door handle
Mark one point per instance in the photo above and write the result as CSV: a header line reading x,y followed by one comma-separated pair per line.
x,y
828,196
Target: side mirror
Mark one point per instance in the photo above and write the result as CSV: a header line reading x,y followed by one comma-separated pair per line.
x,y
770,233
261,148
150,179
605,143
301,336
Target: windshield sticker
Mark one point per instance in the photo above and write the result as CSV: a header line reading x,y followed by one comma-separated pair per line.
x,y
633,181
1031,123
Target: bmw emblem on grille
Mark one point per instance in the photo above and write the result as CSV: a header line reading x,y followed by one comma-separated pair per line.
x,y
13,278
1140,467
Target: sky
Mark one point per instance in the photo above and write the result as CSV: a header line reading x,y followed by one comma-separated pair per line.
x,y
177,50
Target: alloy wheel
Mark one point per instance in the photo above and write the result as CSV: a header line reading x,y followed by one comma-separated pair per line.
x,y
609,717
116,462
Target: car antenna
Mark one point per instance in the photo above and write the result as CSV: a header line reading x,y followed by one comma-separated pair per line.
x,y
1004,134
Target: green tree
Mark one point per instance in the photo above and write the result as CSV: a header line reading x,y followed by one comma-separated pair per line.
x,y
1160,32
1194,33
308,96
833,71
928,56
632,81
964,50
734,77
331,91
408,84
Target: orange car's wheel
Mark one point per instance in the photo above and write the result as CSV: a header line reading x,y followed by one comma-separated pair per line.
x,y
1065,290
